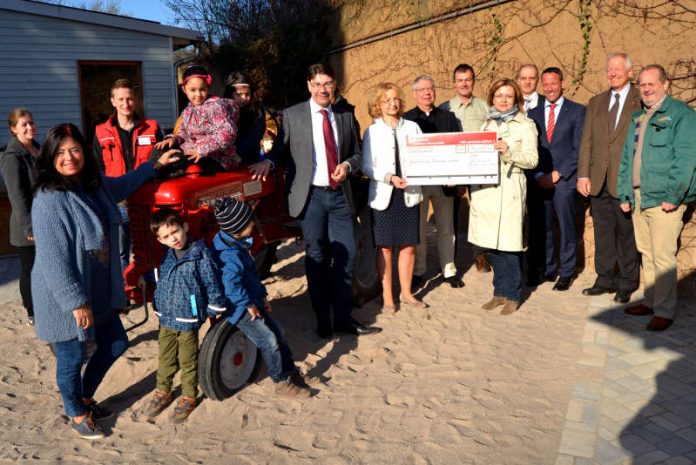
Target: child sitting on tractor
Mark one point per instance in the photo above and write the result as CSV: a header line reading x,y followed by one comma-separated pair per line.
x,y
250,310
208,127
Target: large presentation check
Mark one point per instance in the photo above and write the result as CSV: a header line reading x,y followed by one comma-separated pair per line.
x,y
451,158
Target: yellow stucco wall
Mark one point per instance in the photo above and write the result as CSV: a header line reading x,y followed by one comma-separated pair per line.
x,y
497,40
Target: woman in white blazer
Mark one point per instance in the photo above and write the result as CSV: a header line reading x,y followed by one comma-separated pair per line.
x,y
394,203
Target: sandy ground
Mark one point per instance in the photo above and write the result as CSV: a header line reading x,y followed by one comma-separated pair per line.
x,y
453,384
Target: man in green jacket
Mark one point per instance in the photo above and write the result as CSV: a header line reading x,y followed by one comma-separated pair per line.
x,y
656,180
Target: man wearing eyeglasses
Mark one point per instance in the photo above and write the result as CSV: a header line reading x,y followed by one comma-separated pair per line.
x,y
322,150
432,119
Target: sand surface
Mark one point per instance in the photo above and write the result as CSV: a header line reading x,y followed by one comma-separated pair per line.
x,y
453,384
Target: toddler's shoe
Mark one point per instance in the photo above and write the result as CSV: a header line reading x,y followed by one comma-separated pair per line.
x,y
292,388
183,409
158,402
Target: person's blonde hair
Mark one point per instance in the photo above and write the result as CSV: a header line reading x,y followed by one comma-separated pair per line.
x,y
519,98
380,90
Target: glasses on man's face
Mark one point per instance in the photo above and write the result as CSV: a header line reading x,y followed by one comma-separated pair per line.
x,y
322,85
424,89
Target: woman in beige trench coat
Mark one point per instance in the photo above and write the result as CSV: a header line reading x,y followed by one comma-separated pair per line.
x,y
497,211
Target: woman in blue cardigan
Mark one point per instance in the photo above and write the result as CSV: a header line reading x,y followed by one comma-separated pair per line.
x,y
77,283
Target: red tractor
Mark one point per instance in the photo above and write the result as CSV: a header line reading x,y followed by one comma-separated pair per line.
x,y
227,359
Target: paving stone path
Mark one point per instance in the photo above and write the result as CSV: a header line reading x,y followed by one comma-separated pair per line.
x,y
634,399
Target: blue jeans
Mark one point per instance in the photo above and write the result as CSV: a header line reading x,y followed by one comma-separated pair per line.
x,y
267,335
507,277
327,226
124,239
111,342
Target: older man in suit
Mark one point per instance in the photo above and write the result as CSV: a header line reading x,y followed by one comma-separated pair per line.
x,y
323,149
559,122
606,123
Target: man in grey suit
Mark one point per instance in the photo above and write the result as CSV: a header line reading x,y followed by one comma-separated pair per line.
x,y
606,123
323,149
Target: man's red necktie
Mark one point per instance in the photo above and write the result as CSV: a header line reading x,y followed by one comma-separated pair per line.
x,y
551,123
330,145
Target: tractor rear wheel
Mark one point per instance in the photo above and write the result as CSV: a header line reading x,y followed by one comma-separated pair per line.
x,y
227,361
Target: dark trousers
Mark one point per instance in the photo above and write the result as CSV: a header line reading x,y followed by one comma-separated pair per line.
x,y
124,238
536,221
542,205
507,275
615,244
562,203
26,260
327,226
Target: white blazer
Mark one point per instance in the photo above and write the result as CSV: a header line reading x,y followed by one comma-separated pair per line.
x,y
379,162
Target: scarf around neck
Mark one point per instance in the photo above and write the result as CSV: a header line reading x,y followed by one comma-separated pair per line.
x,y
501,118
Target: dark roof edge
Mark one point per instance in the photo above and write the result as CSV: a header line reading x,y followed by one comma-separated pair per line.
x,y
95,17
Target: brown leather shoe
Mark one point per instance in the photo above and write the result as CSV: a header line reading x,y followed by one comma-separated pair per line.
x,y
482,264
158,402
510,307
183,409
659,323
638,310
494,302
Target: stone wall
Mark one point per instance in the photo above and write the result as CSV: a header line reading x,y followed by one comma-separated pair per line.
x,y
574,35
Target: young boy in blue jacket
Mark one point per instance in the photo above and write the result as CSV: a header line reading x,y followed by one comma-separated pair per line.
x,y
250,309
188,290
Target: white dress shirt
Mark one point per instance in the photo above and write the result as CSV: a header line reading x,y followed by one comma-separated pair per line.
x,y
623,95
547,110
320,176
557,110
531,101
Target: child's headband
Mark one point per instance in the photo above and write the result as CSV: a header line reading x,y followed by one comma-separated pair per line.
x,y
206,77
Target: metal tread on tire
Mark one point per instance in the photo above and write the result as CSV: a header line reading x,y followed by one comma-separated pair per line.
x,y
227,361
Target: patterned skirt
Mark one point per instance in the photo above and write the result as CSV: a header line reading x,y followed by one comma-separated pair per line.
x,y
397,224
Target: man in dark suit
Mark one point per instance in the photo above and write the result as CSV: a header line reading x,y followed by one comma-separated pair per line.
x,y
606,123
323,149
559,123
